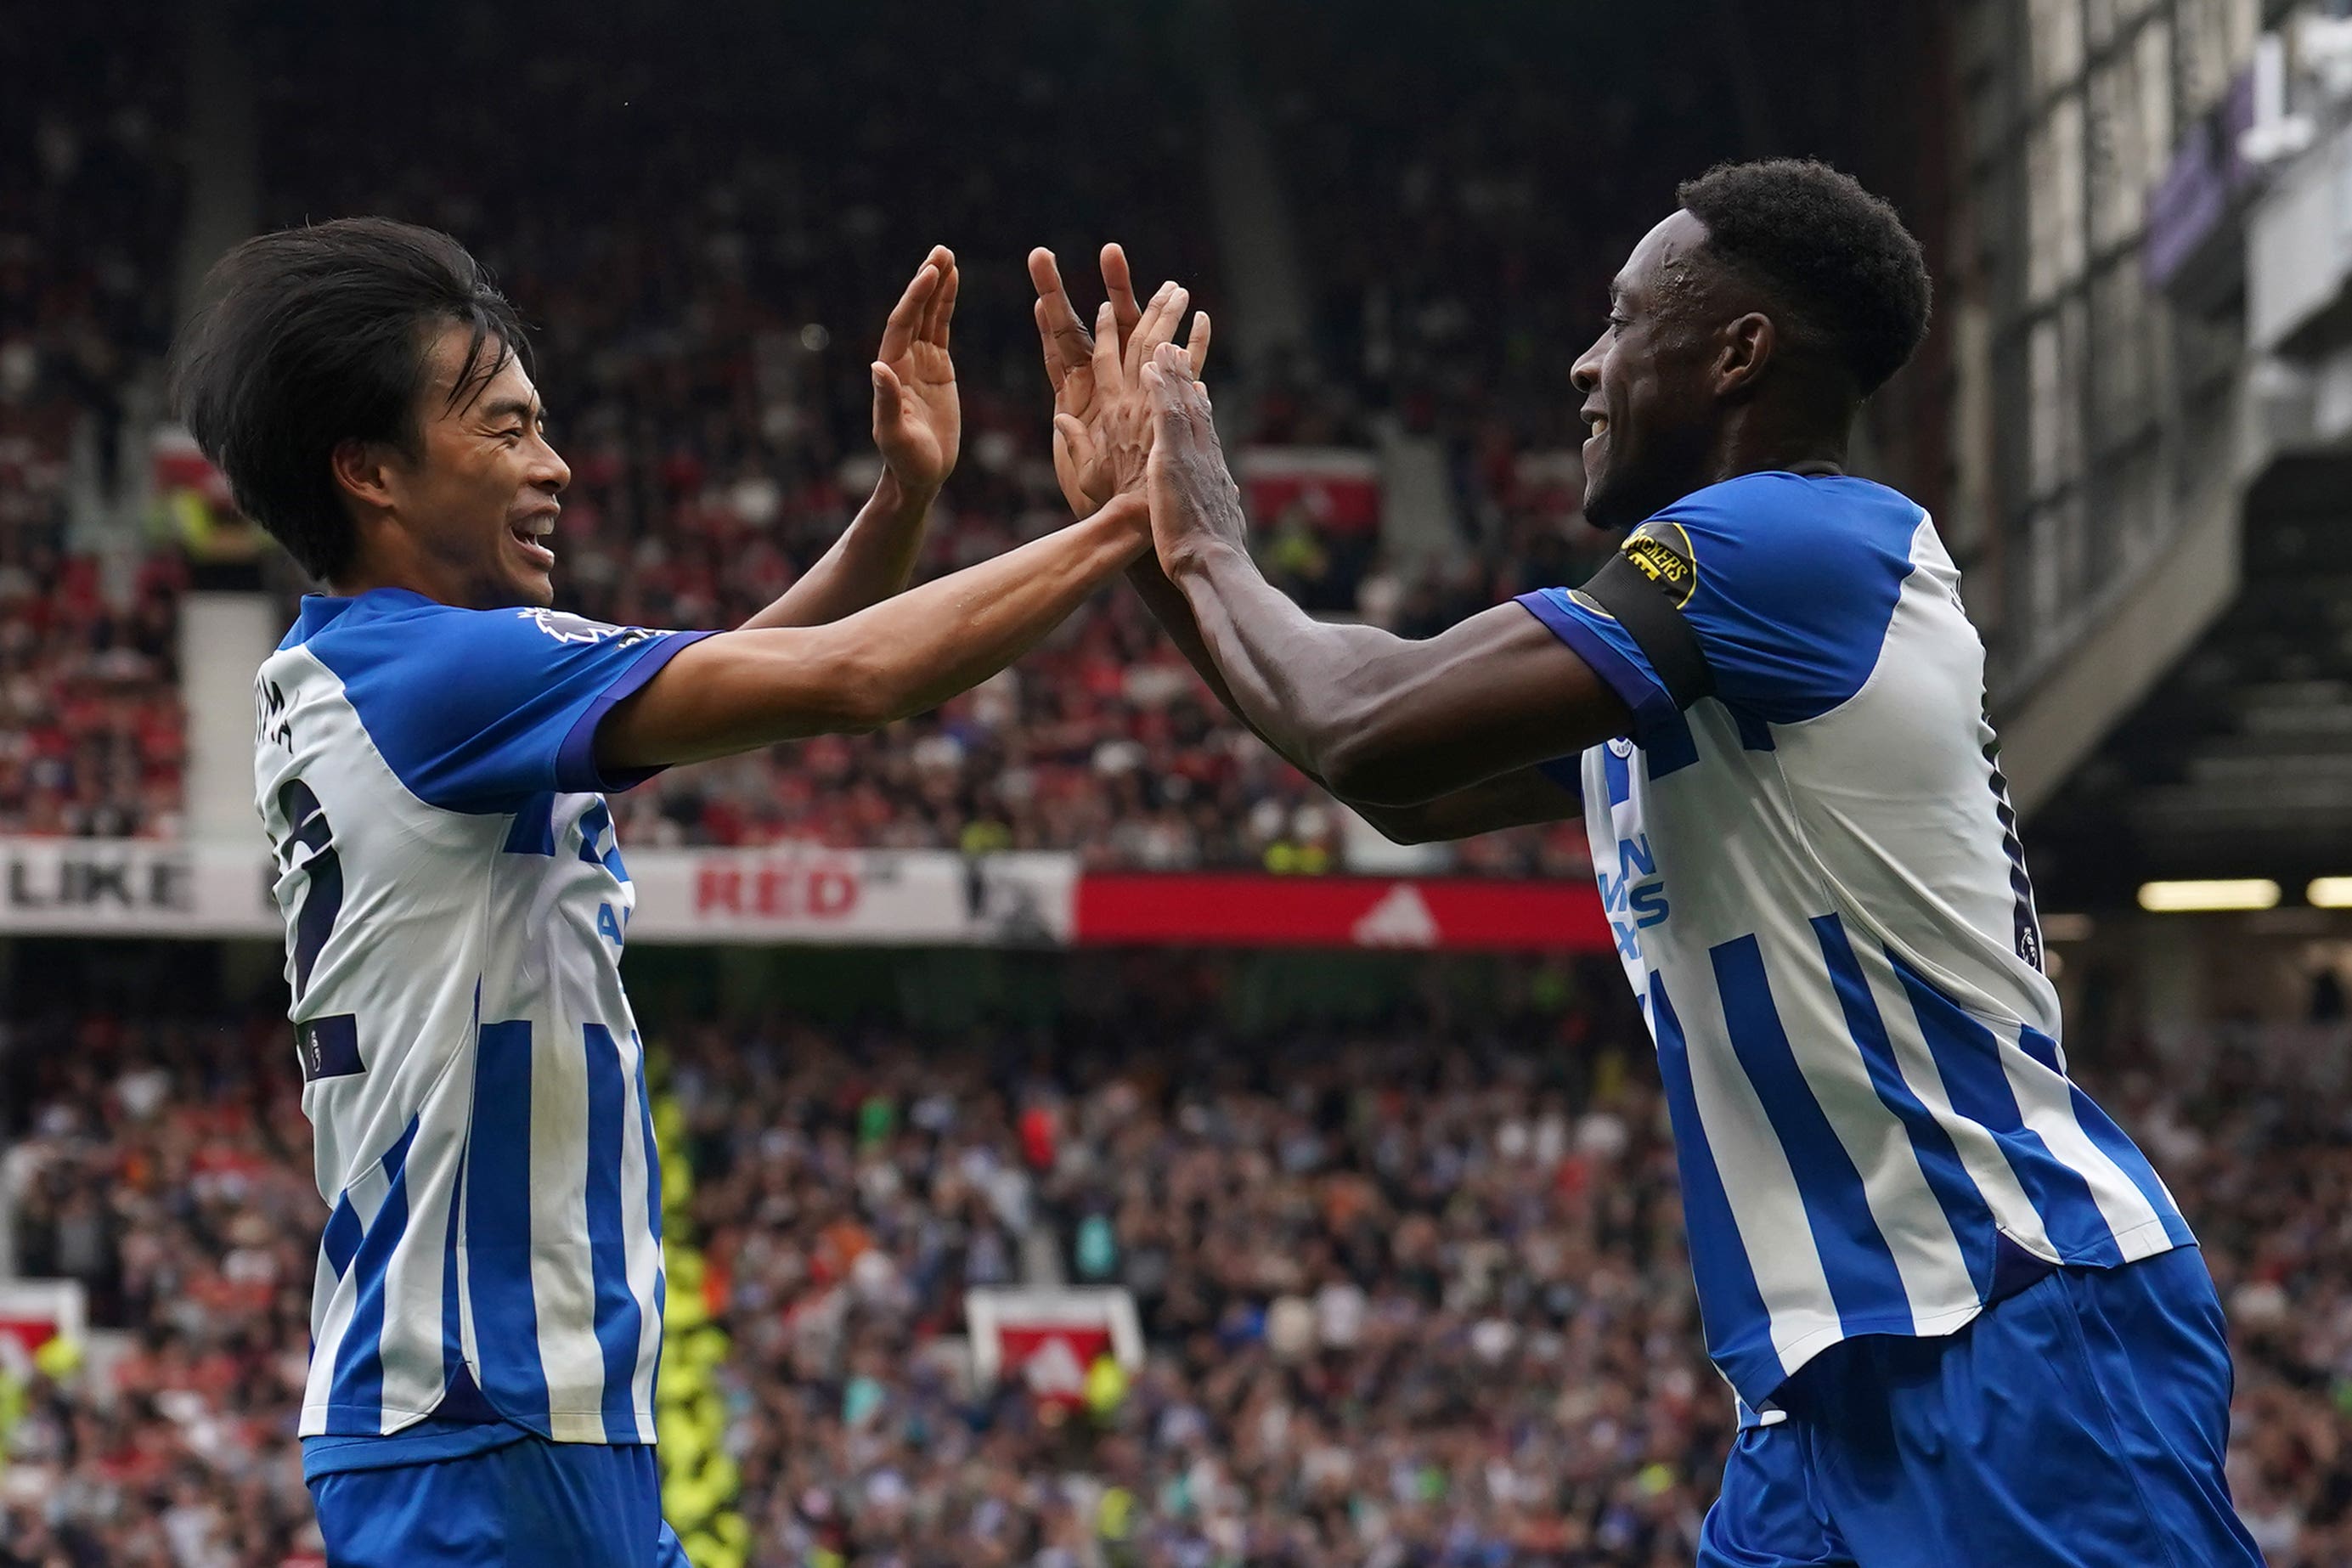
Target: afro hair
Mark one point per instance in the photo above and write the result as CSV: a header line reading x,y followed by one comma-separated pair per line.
x,y
1838,258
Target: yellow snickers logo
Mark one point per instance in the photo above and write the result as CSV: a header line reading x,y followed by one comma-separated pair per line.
x,y
1661,553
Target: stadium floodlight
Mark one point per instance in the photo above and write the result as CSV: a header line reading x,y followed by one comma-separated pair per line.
x,y
2227,893
2329,893
2066,927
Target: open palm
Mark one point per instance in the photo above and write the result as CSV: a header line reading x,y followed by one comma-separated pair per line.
x,y
918,421
1101,420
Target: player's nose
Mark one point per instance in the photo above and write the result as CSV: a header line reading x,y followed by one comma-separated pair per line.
x,y
1585,374
550,473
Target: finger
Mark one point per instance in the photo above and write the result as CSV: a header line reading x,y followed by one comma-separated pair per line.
x,y
940,311
1073,432
1071,344
899,331
1108,375
1159,324
1197,346
1167,414
1148,331
887,411
1043,273
1176,369
1046,342
1118,282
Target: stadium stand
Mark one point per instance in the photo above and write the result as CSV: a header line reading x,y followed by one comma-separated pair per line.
x,y
1414,1289
709,227
705,259
707,263
90,735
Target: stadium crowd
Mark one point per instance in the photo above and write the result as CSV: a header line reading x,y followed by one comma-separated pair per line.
x,y
90,737
710,300
1414,1292
707,262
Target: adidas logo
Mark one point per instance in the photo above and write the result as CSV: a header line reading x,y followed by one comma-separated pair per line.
x,y
1053,1370
1401,918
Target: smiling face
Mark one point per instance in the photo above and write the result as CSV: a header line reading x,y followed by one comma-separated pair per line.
x,y
477,500
1648,382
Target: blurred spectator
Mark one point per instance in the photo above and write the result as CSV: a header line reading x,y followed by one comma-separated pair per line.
x,y
709,236
90,734
1414,1291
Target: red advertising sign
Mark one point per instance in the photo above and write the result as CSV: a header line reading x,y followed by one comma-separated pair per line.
x,y
32,1313
811,890
785,894
1339,489
1050,1338
1452,914
1053,1359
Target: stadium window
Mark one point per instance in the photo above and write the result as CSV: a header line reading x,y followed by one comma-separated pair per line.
x,y
2056,41
2117,164
2122,394
2054,199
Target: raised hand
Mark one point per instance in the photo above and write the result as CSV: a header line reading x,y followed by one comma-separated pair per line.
x,y
1196,508
1101,423
918,421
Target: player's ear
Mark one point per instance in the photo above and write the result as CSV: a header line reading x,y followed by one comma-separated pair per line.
x,y
1743,350
362,471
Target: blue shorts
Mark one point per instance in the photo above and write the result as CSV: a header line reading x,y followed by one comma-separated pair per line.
x,y
527,1504
2079,1423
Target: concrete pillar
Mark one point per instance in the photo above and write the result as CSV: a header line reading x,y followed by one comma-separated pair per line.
x,y
223,637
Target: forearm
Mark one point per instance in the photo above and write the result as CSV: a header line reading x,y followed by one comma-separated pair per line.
x,y
1169,607
870,562
1520,799
749,689
1383,720
1294,680
950,634
1515,800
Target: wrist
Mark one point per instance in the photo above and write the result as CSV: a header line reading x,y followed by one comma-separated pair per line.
x,y
894,497
1201,554
1124,523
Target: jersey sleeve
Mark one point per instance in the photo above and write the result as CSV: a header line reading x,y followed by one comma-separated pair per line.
x,y
1787,584
477,709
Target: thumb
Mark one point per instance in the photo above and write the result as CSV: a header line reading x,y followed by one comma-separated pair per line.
x,y
1073,435
886,397
1166,400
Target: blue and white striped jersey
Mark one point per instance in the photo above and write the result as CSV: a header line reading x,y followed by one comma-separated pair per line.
x,y
1817,891
454,909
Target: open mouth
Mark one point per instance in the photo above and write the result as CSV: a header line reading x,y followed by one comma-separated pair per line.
x,y
532,535
1599,425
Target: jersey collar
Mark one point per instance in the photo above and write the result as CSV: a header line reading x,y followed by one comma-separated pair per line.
x,y
320,611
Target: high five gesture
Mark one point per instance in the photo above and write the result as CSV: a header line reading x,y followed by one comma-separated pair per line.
x,y
918,422
1101,418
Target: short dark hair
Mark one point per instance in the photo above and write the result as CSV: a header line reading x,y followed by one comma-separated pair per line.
x,y
318,335
1838,258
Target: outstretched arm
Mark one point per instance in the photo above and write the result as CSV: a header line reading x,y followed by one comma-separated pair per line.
x,y
753,687
1379,719
1070,350
917,424
1521,798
